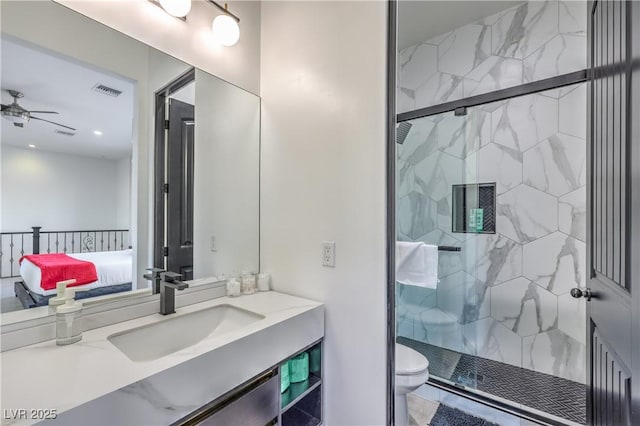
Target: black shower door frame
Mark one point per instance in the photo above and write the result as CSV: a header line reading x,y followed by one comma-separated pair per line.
x,y
393,118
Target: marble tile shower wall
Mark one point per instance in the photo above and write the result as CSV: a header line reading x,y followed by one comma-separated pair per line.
x,y
505,296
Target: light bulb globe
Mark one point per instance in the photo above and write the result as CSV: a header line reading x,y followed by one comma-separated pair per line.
x,y
225,30
177,8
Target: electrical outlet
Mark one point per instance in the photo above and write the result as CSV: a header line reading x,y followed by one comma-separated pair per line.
x,y
329,253
212,243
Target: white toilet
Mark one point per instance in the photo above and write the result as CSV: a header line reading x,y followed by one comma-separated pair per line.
x,y
412,371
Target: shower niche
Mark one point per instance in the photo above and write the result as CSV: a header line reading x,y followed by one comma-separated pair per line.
x,y
474,208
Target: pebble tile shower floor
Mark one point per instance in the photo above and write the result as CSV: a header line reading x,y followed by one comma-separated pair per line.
x,y
554,395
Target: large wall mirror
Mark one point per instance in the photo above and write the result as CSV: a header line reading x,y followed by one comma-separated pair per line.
x,y
115,158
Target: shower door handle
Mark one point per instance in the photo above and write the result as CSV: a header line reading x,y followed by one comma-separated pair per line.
x,y
578,293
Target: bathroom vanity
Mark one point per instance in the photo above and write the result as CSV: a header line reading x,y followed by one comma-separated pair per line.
x,y
134,373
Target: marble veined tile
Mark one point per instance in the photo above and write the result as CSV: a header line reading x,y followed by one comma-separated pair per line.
x,y
572,213
405,100
439,39
488,338
524,29
492,258
572,317
560,55
492,74
405,179
524,307
452,136
573,17
525,214
500,164
553,352
572,110
439,171
444,213
464,49
420,141
449,262
463,296
439,328
557,165
417,64
438,89
404,323
415,299
416,215
556,262
524,121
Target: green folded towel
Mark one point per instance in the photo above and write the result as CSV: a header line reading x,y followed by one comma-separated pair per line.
x,y
299,368
284,377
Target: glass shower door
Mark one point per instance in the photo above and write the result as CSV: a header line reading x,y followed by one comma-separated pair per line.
x,y
504,184
438,204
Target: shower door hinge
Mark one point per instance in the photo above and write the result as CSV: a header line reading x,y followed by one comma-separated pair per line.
x,y
166,124
458,112
165,188
165,251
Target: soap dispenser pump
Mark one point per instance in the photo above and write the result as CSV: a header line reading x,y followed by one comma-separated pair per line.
x,y
68,315
59,298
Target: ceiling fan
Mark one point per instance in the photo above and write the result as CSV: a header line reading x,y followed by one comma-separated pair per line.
x,y
18,115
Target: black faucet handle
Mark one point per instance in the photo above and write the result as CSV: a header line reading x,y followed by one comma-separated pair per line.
x,y
170,276
153,274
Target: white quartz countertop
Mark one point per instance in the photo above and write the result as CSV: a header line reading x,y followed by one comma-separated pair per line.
x,y
47,376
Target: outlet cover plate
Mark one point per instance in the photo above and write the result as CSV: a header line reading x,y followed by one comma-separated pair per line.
x,y
329,254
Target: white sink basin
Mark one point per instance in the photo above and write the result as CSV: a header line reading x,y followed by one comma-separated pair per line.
x,y
178,332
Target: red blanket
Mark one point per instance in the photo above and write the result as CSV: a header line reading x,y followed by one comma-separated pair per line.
x,y
59,267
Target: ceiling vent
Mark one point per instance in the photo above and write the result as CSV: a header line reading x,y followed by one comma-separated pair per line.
x,y
62,132
106,90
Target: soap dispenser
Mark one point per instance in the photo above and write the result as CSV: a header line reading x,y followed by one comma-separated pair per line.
x,y
59,298
68,324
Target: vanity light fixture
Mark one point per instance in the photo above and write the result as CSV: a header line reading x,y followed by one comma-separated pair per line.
x,y
177,8
97,132
225,27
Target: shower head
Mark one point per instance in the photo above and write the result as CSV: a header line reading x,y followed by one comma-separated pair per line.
x,y
402,131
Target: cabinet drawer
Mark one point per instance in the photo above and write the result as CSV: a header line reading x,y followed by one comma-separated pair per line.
x,y
257,407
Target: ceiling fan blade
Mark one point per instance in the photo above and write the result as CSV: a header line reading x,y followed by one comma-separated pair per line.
x,y
52,122
21,125
43,112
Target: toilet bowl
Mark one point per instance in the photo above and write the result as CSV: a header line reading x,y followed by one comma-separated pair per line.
x,y
412,371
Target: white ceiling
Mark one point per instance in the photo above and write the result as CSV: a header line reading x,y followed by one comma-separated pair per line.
x,y
419,21
52,82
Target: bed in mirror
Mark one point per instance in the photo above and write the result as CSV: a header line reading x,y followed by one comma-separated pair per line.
x,y
116,158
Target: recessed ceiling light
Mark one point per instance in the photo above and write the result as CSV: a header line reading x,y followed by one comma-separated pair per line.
x,y
31,145
97,132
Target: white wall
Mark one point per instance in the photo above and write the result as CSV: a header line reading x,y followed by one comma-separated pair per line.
x,y
123,184
323,178
226,178
189,41
60,192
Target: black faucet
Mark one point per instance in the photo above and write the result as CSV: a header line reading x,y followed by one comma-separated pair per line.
x,y
169,283
154,275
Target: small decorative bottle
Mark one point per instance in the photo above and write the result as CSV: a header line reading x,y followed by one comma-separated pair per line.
x,y
263,282
233,287
248,283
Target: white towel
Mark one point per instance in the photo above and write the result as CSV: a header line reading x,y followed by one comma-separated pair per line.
x,y
417,264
